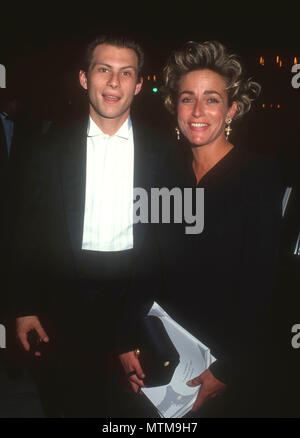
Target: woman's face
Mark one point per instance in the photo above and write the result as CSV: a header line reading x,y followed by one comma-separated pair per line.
x,y
203,107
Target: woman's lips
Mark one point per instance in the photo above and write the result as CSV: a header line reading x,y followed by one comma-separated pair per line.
x,y
198,126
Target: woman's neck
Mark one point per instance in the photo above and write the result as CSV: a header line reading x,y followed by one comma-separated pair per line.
x,y
206,157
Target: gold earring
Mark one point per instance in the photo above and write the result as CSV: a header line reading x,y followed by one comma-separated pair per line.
x,y
228,129
177,133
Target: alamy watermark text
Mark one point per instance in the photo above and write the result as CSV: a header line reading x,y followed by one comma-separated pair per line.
x,y
2,336
2,76
161,207
296,78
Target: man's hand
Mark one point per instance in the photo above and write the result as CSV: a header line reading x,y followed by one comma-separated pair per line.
x,y
133,370
210,388
24,325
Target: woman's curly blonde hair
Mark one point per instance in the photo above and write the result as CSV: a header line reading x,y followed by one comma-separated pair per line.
x,y
210,55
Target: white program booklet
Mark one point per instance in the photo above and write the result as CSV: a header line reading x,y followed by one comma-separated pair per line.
x,y
177,398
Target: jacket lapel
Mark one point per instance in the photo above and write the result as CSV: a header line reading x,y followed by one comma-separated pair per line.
x,y
72,159
143,162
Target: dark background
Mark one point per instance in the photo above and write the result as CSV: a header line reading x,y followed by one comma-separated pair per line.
x,y
41,46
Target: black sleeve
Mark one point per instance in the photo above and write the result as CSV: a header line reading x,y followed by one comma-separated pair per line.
x,y
145,288
262,201
147,276
26,285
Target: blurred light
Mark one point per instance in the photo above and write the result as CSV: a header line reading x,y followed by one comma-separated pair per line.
x,y
278,106
271,105
295,60
155,90
261,61
263,105
154,78
148,78
280,64
277,59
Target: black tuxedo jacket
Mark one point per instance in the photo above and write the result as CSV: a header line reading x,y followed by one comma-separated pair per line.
x,y
50,220
11,168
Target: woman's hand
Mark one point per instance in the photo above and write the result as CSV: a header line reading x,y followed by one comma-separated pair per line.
x,y
133,370
210,388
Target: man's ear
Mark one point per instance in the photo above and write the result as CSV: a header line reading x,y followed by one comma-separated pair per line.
x,y
138,86
83,79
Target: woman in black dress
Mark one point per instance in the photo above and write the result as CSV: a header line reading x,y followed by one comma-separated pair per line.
x,y
218,283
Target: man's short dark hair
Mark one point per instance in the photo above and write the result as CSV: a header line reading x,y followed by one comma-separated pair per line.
x,y
123,42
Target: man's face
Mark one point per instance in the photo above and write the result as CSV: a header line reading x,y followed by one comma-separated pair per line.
x,y
111,82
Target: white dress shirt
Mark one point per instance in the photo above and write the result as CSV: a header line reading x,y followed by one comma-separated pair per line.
x,y
108,215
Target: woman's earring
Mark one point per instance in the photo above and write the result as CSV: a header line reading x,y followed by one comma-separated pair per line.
x,y
177,133
228,128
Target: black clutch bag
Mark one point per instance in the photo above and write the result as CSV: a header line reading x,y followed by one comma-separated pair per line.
x,y
157,353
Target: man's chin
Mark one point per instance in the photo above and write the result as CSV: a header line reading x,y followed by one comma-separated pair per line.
x,y
113,113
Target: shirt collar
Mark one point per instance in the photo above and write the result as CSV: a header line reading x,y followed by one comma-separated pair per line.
x,y
124,131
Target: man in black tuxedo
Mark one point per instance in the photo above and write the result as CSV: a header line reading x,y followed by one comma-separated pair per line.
x,y
76,246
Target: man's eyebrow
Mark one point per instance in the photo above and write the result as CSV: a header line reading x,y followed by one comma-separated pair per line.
x,y
109,66
129,66
101,63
